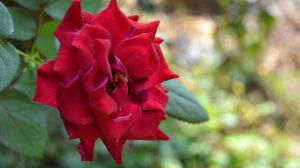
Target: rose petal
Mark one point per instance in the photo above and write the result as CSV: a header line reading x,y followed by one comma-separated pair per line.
x,y
66,63
114,131
100,102
116,127
159,95
146,128
117,65
121,92
78,131
87,17
145,28
72,21
115,21
85,42
86,148
47,84
161,74
134,18
152,105
115,148
93,78
73,103
158,40
138,55
102,54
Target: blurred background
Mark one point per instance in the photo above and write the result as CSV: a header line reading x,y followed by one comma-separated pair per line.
x,y
241,58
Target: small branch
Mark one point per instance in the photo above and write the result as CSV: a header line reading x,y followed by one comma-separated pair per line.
x,y
31,59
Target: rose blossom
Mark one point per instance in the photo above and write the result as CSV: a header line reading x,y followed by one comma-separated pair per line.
x,y
106,79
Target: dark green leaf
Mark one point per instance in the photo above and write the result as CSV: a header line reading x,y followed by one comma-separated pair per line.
x,y
22,128
183,105
26,83
24,24
6,23
45,41
58,8
9,63
31,4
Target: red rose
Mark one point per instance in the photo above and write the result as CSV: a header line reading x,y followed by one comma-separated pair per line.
x,y
106,80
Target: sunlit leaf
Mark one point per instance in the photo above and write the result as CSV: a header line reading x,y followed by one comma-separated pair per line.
x,y
183,105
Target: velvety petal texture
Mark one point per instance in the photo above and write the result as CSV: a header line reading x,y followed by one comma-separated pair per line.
x,y
106,79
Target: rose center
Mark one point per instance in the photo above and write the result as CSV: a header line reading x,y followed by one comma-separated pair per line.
x,y
115,81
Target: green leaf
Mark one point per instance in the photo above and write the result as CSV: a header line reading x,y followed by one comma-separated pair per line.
x,y
183,105
9,64
25,26
91,6
58,8
22,129
6,23
26,83
57,44
45,41
31,4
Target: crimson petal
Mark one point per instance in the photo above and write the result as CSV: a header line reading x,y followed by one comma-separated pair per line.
x,y
86,44
161,74
47,84
66,63
102,53
72,102
86,148
146,128
115,21
72,21
77,131
100,102
134,18
159,95
115,148
145,28
138,55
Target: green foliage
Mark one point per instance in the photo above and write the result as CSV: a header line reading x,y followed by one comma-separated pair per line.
x,y
182,105
9,64
58,8
31,4
240,41
21,127
6,22
24,24
26,83
45,42
91,6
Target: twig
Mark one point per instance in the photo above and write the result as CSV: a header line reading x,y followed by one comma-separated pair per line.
x,y
30,58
